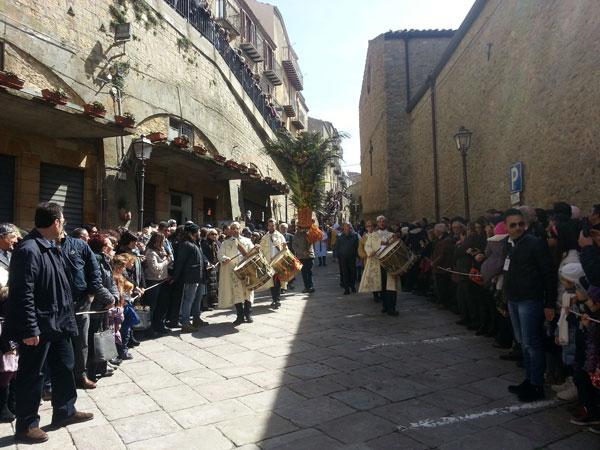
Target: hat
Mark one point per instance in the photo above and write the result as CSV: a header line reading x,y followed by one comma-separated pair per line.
x,y
208,225
594,293
571,272
191,228
500,229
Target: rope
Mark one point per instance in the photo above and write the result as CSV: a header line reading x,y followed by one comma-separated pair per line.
x,y
460,273
578,314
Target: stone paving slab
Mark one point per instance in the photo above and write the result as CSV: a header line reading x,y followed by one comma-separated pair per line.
x,y
314,375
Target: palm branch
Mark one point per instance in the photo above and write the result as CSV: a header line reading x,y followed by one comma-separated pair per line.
x,y
303,161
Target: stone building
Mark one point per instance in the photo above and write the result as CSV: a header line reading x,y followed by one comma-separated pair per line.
x,y
336,182
523,77
184,70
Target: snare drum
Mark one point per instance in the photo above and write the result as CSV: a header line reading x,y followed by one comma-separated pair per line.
x,y
286,265
254,270
396,258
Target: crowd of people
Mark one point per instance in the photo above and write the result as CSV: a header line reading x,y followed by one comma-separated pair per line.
x,y
72,305
529,278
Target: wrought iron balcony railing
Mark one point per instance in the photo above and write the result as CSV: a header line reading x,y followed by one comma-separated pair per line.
x,y
200,19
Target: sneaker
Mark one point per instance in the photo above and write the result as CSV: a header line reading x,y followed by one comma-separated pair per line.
x,y
78,417
561,387
33,436
518,388
586,419
569,394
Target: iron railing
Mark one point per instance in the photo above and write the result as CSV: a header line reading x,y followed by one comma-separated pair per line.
x,y
292,69
200,19
227,16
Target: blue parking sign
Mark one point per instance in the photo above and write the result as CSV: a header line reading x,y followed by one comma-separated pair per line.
x,y
516,177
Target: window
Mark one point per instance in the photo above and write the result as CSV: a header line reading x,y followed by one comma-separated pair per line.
x,y
221,12
177,128
180,207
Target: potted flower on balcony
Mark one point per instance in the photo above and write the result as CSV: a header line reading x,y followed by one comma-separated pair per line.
x,y
95,109
126,120
219,158
200,149
11,80
156,136
231,163
243,167
182,141
55,95
252,171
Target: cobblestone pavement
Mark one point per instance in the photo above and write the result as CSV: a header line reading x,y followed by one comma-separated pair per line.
x,y
324,371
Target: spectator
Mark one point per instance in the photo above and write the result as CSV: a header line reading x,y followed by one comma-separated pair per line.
x,y
40,315
305,251
156,274
345,252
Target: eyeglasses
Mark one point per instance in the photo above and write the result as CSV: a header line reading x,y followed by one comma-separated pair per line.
x,y
515,224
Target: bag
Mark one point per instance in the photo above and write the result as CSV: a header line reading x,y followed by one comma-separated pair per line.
x,y
104,346
475,277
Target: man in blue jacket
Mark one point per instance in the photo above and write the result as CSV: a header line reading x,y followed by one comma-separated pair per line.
x,y
40,317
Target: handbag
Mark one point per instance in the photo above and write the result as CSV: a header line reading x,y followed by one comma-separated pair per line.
x,y
104,346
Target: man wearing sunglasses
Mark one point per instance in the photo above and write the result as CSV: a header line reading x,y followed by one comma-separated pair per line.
x,y
530,284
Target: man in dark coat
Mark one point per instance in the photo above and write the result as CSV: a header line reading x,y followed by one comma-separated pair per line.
x,y
85,280
40,316
345,252
530,284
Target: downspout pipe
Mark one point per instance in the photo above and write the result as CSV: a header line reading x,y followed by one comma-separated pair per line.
x,y
434,150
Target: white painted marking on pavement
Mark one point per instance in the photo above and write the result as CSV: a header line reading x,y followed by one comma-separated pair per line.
x,y
354,315
433,423
399,343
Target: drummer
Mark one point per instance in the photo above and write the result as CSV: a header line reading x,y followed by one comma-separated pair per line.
x,y
232,290
375,278
272,243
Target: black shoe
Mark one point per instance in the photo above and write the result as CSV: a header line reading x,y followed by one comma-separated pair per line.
x,y
125,356
346,292
107,373
393,313
532,394
510,356
304,291
116,361
172,325
163,330
519,388
206,308
311,290
480,332
238,321
133,342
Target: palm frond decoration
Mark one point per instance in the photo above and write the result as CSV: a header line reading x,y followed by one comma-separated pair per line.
x,y
303,161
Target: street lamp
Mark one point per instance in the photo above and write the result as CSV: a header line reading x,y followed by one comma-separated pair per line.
x,y
142,148
463,142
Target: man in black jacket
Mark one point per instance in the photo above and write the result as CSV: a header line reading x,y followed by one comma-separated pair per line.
x,y
590,253
530,284
85,280
40,316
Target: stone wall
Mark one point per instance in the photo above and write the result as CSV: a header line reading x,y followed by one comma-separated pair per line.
x,y
525,80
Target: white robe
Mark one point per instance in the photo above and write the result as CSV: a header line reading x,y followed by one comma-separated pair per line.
x,y
371,278
270,245
231,289
321,246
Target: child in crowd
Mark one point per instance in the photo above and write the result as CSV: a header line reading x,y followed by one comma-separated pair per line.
x,y
130,318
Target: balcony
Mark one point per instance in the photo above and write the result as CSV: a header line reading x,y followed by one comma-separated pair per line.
x,y
290,65
290,106
228,17
200,19
300,120
273,71
252,42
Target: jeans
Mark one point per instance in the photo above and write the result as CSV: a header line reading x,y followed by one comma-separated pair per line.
x,y
30,380
192,294
527,317
307,266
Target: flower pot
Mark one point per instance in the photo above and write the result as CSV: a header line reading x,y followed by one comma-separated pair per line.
x,y
53,97
252,171
230,163
243,167
10,81
156,136
181,143
125,121
200,150
91,110
219,158
305,217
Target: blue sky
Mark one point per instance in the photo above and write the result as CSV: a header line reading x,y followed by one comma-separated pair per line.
x,y
331,39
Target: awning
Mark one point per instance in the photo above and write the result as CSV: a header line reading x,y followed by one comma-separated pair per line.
x,y
26,111
191,164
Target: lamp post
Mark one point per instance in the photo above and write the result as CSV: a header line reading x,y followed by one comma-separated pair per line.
x,y
463,142
142,148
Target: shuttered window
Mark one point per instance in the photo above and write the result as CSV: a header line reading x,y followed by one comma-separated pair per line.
x,y
64,186
7,188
